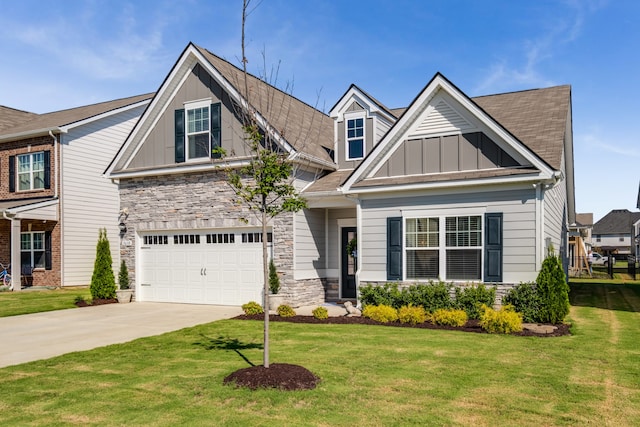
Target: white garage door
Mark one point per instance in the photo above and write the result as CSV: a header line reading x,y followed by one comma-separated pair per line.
x,y
212,267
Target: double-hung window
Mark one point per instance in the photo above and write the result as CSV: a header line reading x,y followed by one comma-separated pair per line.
x,y
444,247
32,249
355,138
198,125
31,171
198,130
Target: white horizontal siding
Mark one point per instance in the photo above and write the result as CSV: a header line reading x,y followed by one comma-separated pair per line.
x,y
90,201
519,236
441,118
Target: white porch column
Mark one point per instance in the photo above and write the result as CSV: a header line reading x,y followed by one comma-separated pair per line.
x,y
16,269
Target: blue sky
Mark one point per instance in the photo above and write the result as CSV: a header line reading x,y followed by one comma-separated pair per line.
x,y
69,53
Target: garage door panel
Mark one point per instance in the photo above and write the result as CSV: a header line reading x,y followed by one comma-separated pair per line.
x,y
219,271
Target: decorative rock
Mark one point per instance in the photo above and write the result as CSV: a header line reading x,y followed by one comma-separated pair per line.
x,y
351,310
540,329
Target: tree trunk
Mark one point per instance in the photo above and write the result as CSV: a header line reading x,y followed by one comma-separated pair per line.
x,y
265,270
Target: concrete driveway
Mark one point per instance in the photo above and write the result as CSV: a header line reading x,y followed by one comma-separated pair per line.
x,y
43,335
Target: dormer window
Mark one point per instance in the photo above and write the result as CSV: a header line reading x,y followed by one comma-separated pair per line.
x,y
355,138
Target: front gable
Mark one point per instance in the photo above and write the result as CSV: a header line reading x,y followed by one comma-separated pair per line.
x,y
444,136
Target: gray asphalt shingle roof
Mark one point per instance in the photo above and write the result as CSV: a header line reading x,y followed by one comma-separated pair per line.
x,y
618,221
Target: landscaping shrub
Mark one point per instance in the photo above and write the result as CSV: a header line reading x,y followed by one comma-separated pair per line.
x,y
431,296
504,321
123,276
285,310
252,308
320,313
525,300
412,314
387,294
274,279
103,282
471,298
449,317
381,313
553,290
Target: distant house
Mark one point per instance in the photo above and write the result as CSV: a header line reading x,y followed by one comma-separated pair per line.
x,y
451,187
53,196
580,243
613,233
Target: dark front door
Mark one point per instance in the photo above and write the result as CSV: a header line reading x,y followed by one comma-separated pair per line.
x,y
348,264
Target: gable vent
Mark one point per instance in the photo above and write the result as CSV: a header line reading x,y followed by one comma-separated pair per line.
x,y
442,118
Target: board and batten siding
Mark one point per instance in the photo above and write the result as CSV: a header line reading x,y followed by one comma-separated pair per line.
x,y
159,146
519,227
89,201
310,244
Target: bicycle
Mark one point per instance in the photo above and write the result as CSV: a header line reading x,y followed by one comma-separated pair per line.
x,y
5,276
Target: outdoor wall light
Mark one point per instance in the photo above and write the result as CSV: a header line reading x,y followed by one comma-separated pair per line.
x,y
123,228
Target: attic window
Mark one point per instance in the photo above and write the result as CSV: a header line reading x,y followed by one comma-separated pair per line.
x,y
355,138
198,135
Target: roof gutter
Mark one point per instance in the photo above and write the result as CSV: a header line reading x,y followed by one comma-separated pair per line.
x,y
37,132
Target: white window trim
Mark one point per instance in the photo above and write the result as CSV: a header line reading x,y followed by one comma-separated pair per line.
x,y
442,241
31,179
192,105
31,251
353,116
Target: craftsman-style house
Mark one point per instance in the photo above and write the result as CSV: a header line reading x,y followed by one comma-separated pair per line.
x,y
451,187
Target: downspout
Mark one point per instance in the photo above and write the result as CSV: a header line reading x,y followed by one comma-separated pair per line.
x,y
360,249
58,175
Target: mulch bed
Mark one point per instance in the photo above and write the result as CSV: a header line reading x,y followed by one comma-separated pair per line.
x,y
293,377
84,303
470,326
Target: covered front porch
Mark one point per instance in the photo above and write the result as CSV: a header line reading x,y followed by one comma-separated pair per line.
x,y
326,245
27,231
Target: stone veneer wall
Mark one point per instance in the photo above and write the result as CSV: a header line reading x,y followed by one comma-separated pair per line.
x,y
501,289
205,201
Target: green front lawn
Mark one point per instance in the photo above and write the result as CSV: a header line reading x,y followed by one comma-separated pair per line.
x,y
28,301
371,375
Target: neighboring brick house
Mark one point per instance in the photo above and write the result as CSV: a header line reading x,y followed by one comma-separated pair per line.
x,y
612,234
53,197
451,187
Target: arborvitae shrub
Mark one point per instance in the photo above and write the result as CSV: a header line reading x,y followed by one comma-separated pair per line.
x,y
285,310
103,282
471,298
274,279
553,290
320,313
412,314
381,313
449,317
252,308
504,321
525,300
123,276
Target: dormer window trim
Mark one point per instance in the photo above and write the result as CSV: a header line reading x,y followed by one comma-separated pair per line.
x,y
355,136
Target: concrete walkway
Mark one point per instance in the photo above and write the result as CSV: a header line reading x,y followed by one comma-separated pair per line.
x,y
43,335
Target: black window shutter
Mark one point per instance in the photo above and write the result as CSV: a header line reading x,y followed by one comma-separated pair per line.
x,y
47,170
394,248
12,174
216,126
493,247
47,250
179,131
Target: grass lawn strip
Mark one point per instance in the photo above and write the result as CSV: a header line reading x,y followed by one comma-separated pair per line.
x,y
38,301
371,375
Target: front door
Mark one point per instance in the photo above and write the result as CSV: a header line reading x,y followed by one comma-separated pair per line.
x,y
348,282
